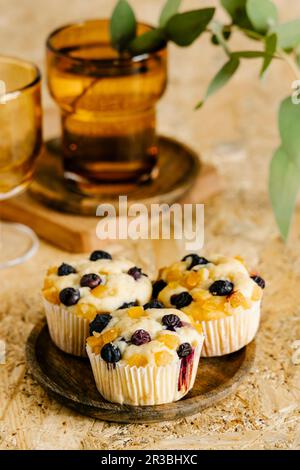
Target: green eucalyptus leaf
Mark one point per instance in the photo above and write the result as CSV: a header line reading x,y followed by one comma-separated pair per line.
x,y
221,78
284,183
270,49
288,34
250,54
262,14
184,28
238,13
148,42
289,128
122,25
171,7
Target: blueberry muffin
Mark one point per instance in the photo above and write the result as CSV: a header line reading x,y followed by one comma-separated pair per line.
x,y
75,293
218,293
144,355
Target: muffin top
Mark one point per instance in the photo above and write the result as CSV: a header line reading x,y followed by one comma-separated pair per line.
x,y
95,285
208,289
140,336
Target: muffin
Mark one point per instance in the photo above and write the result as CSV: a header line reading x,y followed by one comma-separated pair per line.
x,y
75,293
218,293
144,356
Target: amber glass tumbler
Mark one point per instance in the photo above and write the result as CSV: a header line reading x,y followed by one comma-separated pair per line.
x,y
20,145
107,103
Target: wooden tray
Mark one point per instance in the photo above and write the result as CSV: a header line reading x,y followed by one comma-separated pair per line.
x,y
70,381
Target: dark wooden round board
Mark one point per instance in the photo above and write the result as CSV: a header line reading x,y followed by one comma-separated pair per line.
x,y
178,167
70,381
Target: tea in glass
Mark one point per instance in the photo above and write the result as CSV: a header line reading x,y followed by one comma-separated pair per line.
x,y
107,104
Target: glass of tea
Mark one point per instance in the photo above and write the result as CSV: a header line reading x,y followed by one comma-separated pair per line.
x,y
20,145
107,104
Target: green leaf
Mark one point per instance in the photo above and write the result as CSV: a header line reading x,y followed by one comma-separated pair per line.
x,y
270,49
262,14
122,25
170,8
250,54
222,77
288,34
237,11
289,126
284,183
148,42
184,28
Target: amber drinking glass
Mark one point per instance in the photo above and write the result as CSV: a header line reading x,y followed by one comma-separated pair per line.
x,y
20,145
107,105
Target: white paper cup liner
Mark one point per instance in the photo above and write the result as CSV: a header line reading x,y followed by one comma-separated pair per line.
x,y
67,330
142,386
229,334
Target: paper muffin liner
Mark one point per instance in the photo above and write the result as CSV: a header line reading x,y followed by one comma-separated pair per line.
x,y
229,334
67,330
142,386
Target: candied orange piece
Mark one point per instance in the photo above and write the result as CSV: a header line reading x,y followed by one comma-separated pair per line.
x,y
163,358
52,295
214,304
173,285
110,335
173,275
136,312
137,360
201,295
237,299
48,283
193,310
52,270
171,341
99,291
95,343
257,293
193,278
88,311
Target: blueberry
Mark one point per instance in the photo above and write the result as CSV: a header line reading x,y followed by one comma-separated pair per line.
x,y
100,322
69,296
221,288
184,350
194,260
128,305
157,287
90,280
65,269
140,337
135,272
181,300
110,353
259,281
100,254
153,304
171,321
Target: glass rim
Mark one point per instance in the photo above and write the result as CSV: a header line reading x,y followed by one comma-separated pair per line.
x,y
136,58
36,79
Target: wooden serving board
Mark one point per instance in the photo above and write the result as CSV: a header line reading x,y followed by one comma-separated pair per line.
x,y
70,381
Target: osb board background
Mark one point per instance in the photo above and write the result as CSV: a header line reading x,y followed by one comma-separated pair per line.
x,y
264,413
